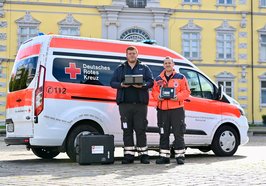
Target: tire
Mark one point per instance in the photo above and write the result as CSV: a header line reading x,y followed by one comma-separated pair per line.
x,y
45,152
205,149
225,141
72,138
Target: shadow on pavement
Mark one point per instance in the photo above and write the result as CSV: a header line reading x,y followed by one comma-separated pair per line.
x,y
62,168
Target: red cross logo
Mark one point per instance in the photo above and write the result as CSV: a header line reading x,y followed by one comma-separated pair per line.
x,y
72,70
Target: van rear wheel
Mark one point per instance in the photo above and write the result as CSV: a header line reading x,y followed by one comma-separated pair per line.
x,y
225,141
45,152
73,136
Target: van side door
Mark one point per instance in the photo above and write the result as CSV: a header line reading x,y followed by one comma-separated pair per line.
x,y
203,111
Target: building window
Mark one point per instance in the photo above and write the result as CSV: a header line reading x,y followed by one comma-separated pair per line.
x,y
263,92
134,34
27,32
191,44
225,2
262,48
263,3
28,27
225,46
70,31
228,87
225,42
262,78
136,3
191,39
191,1
227,80
69,26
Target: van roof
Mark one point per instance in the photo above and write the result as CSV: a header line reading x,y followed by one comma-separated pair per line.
x,y
110,46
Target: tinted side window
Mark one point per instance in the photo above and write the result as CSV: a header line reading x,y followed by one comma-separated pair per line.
x,y
83,71
199,85
156,70
22,74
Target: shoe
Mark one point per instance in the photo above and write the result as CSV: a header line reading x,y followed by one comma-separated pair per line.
x,y
144,159
163,160
180,160
128,159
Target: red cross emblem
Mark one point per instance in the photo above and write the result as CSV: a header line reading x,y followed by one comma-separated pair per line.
x,y
72,70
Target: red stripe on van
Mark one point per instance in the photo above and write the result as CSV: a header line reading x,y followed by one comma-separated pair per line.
x,y
70,91
95,93
19,98
28,51
108,47
209,106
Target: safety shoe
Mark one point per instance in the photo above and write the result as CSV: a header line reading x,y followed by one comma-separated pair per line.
x,y
128,159
144,159
163,160
180,160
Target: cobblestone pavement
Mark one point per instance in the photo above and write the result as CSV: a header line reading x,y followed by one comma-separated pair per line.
x,y
247,167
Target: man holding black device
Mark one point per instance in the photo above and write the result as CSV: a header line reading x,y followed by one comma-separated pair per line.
x,y
170,90
132,79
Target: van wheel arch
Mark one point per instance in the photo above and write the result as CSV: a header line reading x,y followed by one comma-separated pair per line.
x,y
77,129
217,145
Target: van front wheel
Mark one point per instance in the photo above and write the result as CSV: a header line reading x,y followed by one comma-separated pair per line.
x,y
225,141
45,152
73,136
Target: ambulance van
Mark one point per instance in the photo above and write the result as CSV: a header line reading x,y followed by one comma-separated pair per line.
x,y
60,88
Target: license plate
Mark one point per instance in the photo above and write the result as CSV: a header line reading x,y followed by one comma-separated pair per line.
x,y
10,127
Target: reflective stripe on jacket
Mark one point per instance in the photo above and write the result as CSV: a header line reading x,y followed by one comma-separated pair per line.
x,y
177,81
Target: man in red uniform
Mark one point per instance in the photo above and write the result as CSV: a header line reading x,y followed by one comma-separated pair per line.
x,y
171,114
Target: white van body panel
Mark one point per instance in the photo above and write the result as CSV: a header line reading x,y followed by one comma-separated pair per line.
x,y
59,115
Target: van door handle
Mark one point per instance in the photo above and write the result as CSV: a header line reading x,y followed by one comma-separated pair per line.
x,y
187,100
18,100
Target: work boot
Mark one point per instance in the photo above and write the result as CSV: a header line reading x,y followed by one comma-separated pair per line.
x,y
163,160
128,159
180,160
144,159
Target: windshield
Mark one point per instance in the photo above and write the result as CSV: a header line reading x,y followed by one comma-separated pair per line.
x,y
22,74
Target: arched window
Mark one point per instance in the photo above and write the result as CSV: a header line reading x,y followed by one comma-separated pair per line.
x,y
134,34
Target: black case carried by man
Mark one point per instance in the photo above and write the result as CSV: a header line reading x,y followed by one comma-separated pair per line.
x,y
133,79
167,93
95,149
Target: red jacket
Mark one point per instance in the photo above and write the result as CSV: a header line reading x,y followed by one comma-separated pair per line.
x,y
177,81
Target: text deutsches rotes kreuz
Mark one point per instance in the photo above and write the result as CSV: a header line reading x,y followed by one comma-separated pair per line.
x,y
92,72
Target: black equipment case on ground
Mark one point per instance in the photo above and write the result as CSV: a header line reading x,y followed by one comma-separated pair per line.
x,y
95,149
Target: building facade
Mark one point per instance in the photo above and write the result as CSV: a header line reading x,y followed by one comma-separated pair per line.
x,y
226,39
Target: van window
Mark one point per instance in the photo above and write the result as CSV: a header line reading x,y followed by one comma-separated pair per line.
x,y
199,85
22,74
83,71
156,70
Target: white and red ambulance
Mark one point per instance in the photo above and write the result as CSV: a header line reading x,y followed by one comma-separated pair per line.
x,y
60,88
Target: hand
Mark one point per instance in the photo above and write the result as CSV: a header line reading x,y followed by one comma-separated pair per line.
x,y
175,98
137,86
124,86
160,99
